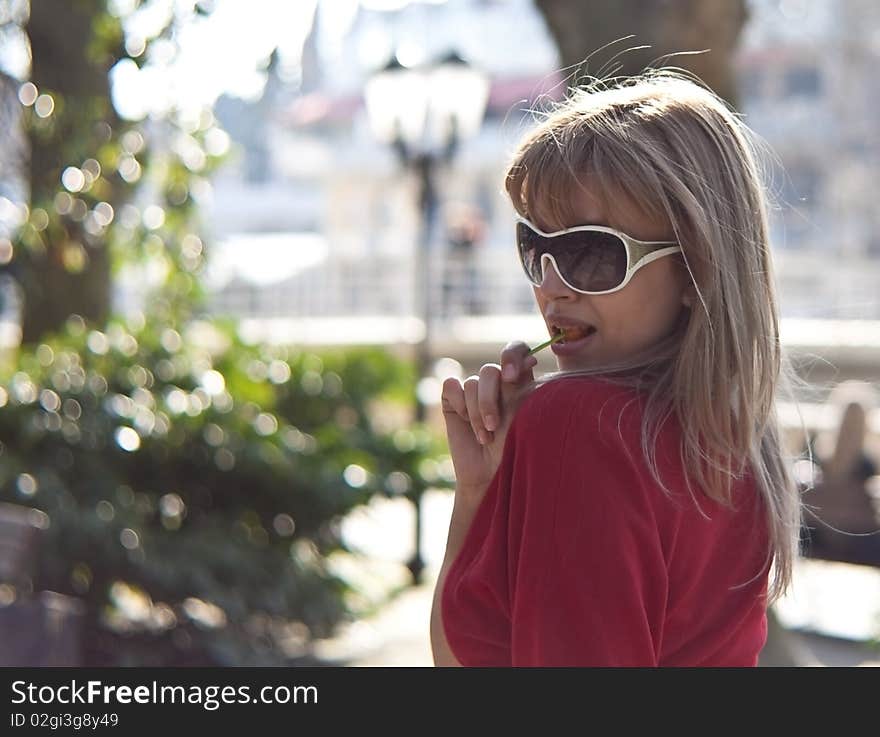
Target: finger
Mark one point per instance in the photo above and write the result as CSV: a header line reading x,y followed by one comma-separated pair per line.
x,y
516,363
489,395
471,398
452,398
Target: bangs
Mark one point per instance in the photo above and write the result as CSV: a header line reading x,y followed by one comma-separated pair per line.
x,y
551,172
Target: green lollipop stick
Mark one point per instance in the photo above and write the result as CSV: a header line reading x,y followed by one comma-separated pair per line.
x,y
558,336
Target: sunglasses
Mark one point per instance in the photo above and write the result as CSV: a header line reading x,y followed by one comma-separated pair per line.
x,y
590,259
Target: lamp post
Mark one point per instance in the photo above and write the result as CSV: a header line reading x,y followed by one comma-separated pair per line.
x,y
424,112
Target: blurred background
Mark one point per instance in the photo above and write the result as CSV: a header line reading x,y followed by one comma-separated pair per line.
x,y
243,243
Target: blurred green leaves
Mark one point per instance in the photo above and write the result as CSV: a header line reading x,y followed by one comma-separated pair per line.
x,y
194,484
194,467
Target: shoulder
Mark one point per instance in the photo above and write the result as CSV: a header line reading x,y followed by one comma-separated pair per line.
x,y
583,404
583,428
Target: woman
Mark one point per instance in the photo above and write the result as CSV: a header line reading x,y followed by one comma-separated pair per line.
x,y
634,508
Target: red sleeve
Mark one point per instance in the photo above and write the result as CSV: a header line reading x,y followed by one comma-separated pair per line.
x,y
564,563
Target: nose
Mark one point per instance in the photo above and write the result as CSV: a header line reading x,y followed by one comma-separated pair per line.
x,y
551,279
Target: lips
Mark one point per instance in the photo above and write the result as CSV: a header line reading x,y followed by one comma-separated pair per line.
x,y
573,329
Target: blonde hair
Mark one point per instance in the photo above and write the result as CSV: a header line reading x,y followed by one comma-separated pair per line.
x,y
664,144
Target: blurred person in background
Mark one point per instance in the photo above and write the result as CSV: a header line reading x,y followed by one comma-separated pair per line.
x,y
840,497
465,231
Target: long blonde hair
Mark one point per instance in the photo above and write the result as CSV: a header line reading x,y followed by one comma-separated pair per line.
x,y
663,143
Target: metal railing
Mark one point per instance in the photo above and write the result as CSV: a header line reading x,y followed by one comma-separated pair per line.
x,y
490,282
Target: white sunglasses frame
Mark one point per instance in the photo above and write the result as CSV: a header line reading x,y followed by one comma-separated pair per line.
x,y
638,253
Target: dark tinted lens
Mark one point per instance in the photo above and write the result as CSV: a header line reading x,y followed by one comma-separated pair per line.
x,y
589,260
529,244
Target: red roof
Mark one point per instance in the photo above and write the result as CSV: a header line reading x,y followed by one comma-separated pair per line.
x,y
504,94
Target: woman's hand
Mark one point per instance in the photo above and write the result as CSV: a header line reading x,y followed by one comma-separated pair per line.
x,y
478,415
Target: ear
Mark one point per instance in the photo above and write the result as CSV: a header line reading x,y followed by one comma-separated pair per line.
x,y
688,291
688,296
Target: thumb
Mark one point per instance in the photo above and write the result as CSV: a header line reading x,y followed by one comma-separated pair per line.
x,y
518,369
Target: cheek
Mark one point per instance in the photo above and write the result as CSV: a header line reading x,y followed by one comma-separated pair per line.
x,y
644,314
660,289
662,315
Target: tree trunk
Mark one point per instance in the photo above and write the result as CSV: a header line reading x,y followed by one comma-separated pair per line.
x,y
54,284
581,27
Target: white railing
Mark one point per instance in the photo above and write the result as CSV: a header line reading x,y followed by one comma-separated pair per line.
x,y
492,283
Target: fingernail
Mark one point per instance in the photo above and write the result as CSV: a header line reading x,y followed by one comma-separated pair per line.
x,y
509,372
489,422
481,436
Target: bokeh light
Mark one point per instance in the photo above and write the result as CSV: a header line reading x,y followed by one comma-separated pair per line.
x,y
447,367
212,382
213,434
98,343
217,142
79,210
39,219
129,539
132,142
104,213
27,94
45,355
49,400
105,511
279,372
73,179
129,169
154,217
398,483
172,505
176,401
72,409
265,424
127,439
224,459
63,203
44,105
26,484
135,45
429,390
284,525
312,383
204,613
355,475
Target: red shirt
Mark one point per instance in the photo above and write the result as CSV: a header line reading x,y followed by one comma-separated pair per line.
x,y
576,556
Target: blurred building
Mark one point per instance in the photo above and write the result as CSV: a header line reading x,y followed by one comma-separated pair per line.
x,y
308,163
808,73
327,175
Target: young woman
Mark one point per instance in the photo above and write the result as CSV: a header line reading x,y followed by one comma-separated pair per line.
x,y
634,508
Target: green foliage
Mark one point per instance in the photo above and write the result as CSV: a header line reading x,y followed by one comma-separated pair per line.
x,y
194,484
84,220
185,474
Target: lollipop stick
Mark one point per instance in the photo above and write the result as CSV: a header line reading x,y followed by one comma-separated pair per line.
x,y
558,336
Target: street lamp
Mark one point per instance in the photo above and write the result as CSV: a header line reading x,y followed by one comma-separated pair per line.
x,y
424,112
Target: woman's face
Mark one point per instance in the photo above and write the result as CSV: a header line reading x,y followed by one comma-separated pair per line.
x,y
631,319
